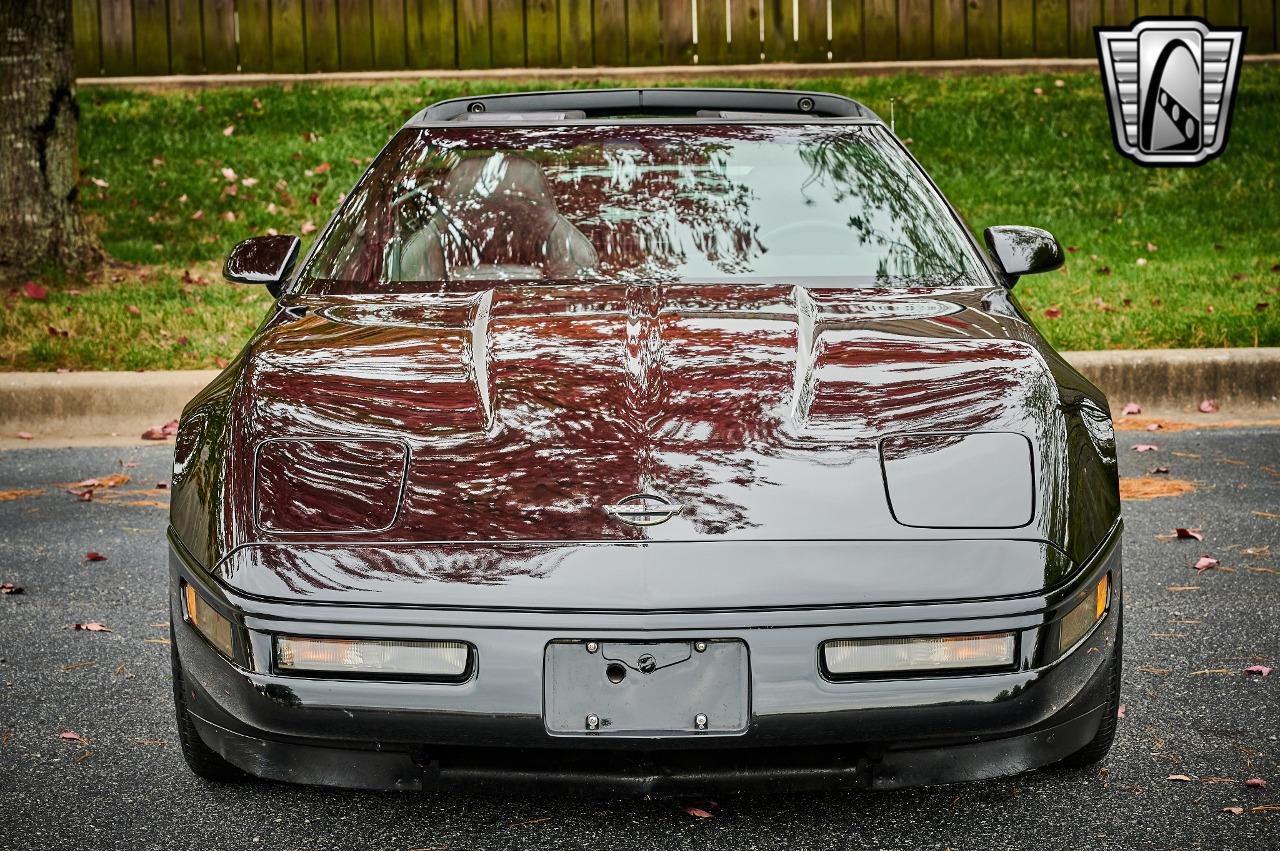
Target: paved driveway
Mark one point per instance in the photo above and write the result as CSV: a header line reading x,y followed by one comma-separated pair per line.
x,y
1189,710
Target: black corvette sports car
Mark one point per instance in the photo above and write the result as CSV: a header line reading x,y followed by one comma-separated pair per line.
x,y
646,441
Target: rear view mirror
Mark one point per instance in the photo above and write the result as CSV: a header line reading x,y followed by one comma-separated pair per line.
x,y
1022,250
262,260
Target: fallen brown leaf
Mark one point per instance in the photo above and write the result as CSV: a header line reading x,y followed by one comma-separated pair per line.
x,y
94,556
1267,514
1178,588
1259,670
1209,406
1205,562
91,626
1256,782
1239,811
1181,778
1195,534
1210,671
10,588
1146,487
8,496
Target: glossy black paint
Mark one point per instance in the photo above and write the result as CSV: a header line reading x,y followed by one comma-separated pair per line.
x,y
262,260
1023,250
848,463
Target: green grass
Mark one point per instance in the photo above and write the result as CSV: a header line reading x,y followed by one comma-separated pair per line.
x,y
1002,153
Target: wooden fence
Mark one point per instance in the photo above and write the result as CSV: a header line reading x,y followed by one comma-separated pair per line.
x,y
128,37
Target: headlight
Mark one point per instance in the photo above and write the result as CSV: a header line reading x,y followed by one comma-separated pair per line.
x,y
372,658
927,653
1081,619
207,621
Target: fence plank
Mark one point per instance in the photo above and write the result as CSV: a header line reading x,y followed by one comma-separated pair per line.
x,y
1189,7
915,29
609,33
322,36
713,46
814,45
255,34
1121,12
429,34
506,33
1259,17
743,28
577,50
982,37
846,30
948,29
117,38
186,54
1223,12
1053,33
288,42
86,36
1082,17
219,26
677,32
355,35
778,43
388,26
1152,7
644,32
541,33
150,37
1017,28
881,22
473,34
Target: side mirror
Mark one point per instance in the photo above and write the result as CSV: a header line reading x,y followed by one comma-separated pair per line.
x,y
262,260
1022,250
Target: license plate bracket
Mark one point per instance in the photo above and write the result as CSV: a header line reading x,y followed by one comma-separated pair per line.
x,y
646,689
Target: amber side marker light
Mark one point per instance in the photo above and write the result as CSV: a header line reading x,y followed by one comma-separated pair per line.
x,y
446,660
1087,612
926,653
207,621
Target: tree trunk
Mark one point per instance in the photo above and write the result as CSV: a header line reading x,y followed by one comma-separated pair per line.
x,y
41,229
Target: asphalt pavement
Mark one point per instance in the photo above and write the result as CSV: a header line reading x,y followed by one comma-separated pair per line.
x,y
1189,708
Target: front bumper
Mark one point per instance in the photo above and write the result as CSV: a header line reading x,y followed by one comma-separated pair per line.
x,y
805,730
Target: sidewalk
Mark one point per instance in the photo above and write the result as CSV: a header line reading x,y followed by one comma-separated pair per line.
x,y
110,408
767,70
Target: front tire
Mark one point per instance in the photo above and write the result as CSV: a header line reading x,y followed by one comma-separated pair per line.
x,y
1100,744
203,760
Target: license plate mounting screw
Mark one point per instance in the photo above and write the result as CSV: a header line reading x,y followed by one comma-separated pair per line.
x,y
593,722
700,721
592,647
700,646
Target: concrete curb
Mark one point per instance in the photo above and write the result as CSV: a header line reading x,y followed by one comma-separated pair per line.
x,y
686,72
116,407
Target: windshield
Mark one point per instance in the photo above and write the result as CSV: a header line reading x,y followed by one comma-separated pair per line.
x,y
641,202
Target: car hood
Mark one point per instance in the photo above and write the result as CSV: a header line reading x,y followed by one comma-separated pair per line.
x,y
525,412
